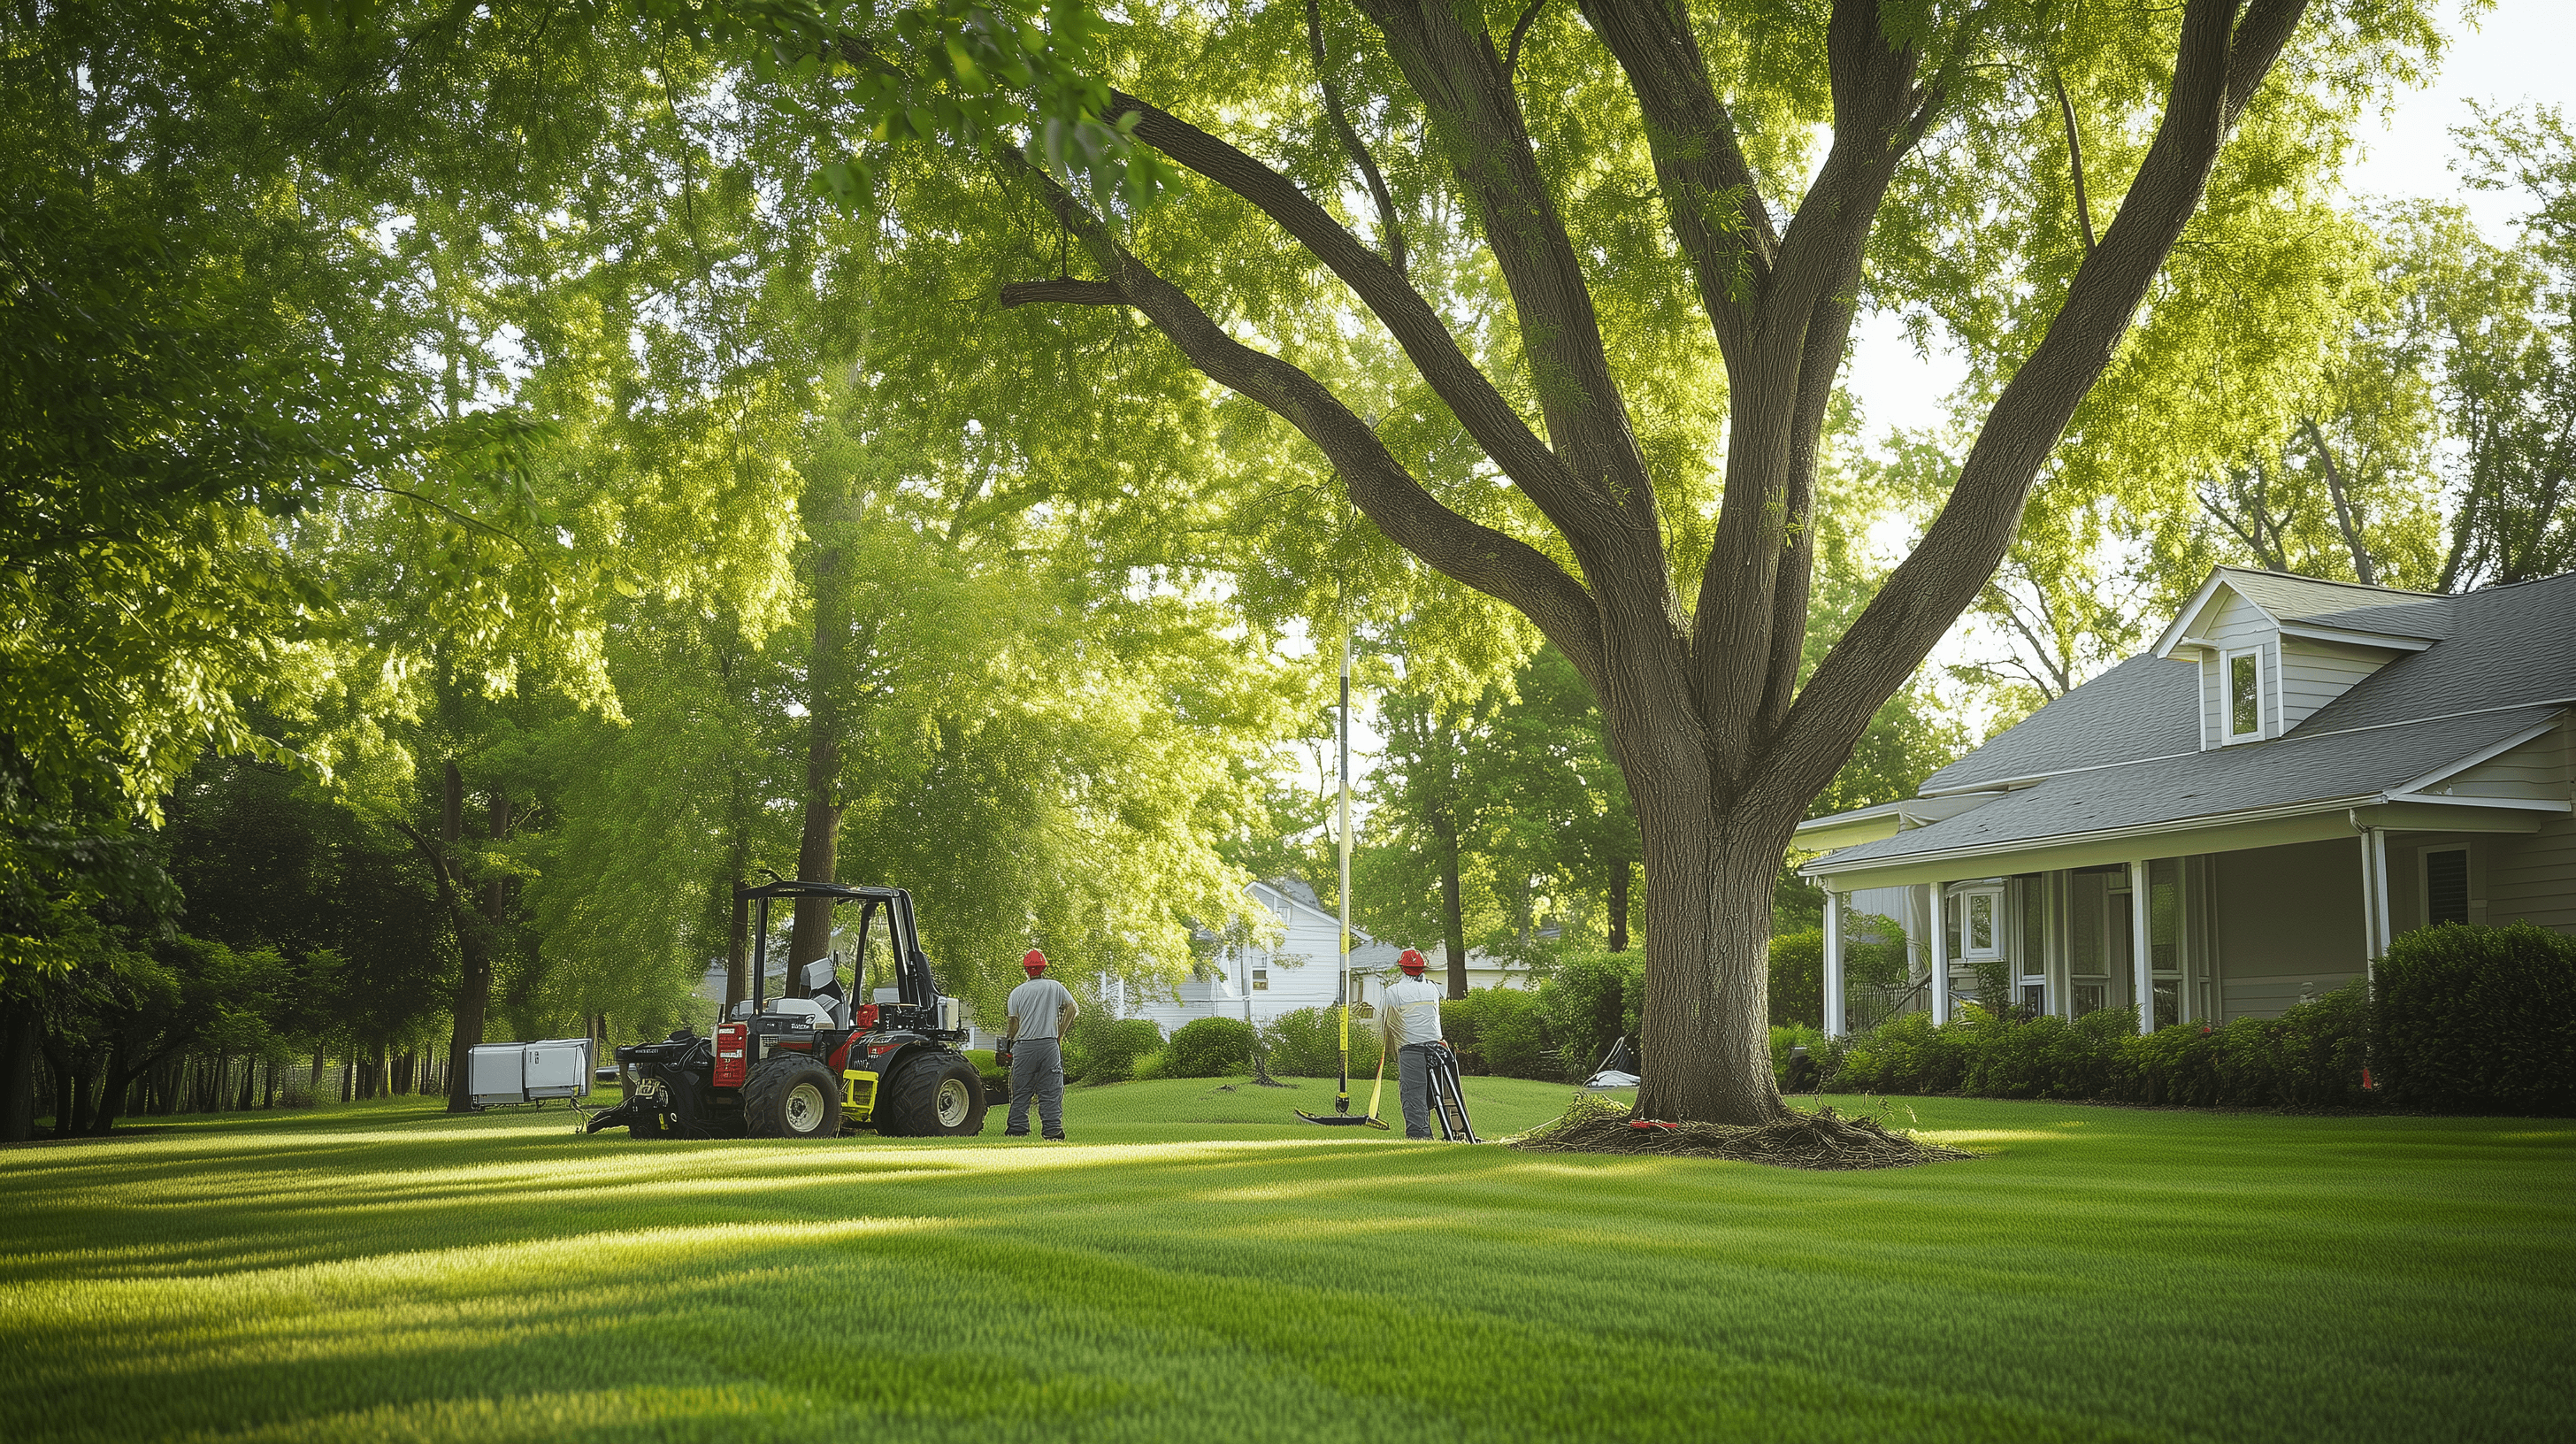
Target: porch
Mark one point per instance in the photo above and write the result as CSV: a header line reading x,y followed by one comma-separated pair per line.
x,y
2205,936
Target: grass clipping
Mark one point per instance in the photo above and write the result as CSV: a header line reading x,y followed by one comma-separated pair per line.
x,y
1822,1139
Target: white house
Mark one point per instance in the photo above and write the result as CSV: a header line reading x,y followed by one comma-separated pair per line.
x,y
1260,982
2244,815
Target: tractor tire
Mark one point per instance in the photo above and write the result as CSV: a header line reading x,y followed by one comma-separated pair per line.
x,y
648,1126
938,1096
791,1096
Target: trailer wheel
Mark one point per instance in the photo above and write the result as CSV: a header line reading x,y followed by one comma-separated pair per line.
x,y
940,1096
791,1096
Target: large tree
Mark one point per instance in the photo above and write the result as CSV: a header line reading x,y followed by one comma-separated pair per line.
x,y
1690,634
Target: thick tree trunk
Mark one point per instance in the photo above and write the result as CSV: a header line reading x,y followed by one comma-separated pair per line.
x,y
72,1109
114,1081
473,938
20,1045
818,854
1622,873
738,937
1706,1041
1453,920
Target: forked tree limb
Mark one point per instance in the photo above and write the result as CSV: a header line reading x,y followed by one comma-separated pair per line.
x,y
2219,63
1449,61
1493,562
1460,384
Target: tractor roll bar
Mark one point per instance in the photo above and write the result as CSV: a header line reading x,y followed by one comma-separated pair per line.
x,y
915,985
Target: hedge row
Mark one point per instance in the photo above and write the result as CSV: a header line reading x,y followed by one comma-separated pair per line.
x,y
2468,1020
2310,1056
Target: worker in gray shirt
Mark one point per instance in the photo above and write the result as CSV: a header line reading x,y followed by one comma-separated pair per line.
x,y
1041,1012
1411,1026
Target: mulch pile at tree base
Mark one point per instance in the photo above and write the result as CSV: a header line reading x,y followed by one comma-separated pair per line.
x,y
1823,1139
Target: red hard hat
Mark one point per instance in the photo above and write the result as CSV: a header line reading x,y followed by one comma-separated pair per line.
x,y
1412,961
1033,960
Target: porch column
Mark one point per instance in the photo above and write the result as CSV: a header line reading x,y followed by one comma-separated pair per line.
x,y
1940,952
1833,963
2374,904
2142,943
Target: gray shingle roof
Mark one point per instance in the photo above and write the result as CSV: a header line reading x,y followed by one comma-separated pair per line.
x,y
2171,790
2145,707
2290,598
2504,646
2123,750
2501,647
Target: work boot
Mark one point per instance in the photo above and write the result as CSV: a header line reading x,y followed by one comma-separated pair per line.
x,y
1015,1133
1055,1138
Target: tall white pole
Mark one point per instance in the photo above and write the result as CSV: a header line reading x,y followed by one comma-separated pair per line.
x,y
1350,996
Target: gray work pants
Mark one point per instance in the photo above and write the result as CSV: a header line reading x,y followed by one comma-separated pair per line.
x,y
1413,1087
1037,1073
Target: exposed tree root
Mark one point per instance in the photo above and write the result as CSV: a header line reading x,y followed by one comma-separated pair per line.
x,y
1823,1139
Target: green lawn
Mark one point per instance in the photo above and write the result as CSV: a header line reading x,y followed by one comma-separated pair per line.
x,y
1196,1265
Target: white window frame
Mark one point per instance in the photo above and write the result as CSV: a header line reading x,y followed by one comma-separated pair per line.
x,y
2424,880
2227,732
1969,952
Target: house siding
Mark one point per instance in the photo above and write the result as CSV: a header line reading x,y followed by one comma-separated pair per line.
x,y
1303,970
2531,878
2315,673
2241,625
2534,771
2286,920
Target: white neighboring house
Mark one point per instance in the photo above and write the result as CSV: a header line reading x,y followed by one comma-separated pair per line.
x,y
1258,983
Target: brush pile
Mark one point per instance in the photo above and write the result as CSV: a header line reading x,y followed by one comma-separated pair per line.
x,y
1823,1139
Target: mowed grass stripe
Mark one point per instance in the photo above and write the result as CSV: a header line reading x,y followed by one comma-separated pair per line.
x,y
1200,1266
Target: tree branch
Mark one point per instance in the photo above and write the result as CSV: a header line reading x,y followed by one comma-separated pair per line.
x,y
1490,419
1520,32
2074,159
1350,138
1450,62
2218,64
2361,567
1063,292
1495,563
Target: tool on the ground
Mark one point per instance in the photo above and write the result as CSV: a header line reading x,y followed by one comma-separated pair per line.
x,y
1448,1101
1353,1120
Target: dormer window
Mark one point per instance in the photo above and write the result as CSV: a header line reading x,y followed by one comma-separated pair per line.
x,y
2244,674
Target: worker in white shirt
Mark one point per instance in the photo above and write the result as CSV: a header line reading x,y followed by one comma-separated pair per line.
x,y
1411,1026
1040,1011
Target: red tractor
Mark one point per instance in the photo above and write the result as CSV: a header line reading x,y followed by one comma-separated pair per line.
x,y
815,1066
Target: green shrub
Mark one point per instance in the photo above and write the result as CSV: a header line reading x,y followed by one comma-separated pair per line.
x,y
1211,1048
2310,1055
1157,1064
1105,1050
1825,1053
1502,1033
1590,1000
1798,979
1307,1043
997,1079
2479,1020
